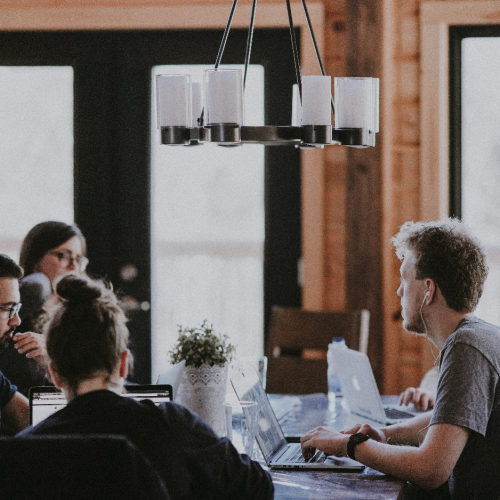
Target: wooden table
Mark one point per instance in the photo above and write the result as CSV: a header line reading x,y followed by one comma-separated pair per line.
x,y
310,411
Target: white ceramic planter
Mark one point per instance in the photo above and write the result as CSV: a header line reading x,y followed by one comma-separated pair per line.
x,y
203,391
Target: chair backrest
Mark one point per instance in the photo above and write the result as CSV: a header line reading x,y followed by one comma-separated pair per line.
x,y
76,467
298,345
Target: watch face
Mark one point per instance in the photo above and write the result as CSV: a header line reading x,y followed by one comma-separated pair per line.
x,y
359,438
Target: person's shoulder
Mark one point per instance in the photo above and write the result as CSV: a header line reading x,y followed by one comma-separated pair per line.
x,y
474,330
7,389
478,334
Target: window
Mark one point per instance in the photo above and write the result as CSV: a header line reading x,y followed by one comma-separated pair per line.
x,y
475,122
208,233
36,150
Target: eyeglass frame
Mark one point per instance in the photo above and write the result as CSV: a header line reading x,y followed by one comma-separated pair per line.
x,y
12,310
81,261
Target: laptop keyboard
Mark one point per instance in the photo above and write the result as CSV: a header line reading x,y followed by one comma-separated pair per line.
x,y
298,458
394,413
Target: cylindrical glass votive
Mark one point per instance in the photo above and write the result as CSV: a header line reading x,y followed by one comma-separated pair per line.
x,y
376,104
223,96
296,106
316,100
356,102
173,101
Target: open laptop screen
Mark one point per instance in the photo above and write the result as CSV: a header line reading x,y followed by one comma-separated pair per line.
x,y
45,400
268,434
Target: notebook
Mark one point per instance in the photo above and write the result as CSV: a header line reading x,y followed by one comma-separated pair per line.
x,y
360,389
277,452
45,400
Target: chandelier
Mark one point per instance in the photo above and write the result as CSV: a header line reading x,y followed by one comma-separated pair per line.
x,y
189,113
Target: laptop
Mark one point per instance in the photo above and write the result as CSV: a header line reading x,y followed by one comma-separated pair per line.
x,y
173,377
360,389
277,452
45,400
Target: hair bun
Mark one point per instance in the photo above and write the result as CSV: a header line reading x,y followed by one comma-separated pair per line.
x,y
78,288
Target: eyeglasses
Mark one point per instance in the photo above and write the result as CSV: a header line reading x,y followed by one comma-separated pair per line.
x,y
12,310
66,259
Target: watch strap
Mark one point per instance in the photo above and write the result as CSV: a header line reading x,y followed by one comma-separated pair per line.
x,y
354,440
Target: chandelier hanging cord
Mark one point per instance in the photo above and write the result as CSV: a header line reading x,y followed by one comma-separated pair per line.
x,y
249,41
294,49
313,38
226,34
222,46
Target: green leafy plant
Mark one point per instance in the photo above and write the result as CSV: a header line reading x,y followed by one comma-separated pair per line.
x,y
200,345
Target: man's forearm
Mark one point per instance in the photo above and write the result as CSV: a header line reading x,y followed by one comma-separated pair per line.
x,y
410,432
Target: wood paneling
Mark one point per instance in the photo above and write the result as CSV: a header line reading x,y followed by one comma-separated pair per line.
x,y
364,23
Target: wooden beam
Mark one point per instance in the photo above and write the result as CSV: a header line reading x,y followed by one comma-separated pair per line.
x,y
364,283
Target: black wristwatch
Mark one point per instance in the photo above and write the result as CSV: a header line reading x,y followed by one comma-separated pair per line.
x,y
354,440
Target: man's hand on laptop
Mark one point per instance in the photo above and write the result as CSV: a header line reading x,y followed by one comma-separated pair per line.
x,y
327,440
33,346
375,433
422,400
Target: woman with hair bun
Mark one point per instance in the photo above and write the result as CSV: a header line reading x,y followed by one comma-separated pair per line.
x,y
87,342
49,250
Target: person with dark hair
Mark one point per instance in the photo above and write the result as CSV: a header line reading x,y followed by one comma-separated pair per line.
x,y
453,450
49,250
87,342
14,409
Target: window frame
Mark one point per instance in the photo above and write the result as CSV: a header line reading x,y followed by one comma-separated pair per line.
x,y
456,35
436,20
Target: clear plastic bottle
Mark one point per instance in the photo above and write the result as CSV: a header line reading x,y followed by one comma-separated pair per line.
x,y
334,389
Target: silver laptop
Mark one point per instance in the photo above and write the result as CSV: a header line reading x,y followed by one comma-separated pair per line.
x,y
277,453
173,377
360,388
45,400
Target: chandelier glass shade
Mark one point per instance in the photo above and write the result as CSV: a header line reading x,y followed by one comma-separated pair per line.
x,y
192,113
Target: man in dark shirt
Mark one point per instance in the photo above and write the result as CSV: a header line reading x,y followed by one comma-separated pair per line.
x,y
14,408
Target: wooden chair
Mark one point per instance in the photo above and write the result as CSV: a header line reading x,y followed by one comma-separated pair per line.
x,y
298,345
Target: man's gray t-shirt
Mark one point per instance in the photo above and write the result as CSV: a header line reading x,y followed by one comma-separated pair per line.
x,y
468,395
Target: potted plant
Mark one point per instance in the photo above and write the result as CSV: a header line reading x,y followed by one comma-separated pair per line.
x,y
203,385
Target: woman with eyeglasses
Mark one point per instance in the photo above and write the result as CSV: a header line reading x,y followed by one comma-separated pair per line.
x,y
49,250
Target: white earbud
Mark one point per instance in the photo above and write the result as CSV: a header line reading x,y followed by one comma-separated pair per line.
x,y
423,301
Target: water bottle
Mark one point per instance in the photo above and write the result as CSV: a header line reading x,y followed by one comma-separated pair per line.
x,y
334,389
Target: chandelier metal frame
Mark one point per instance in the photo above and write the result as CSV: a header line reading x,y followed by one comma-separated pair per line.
x,y
305,136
